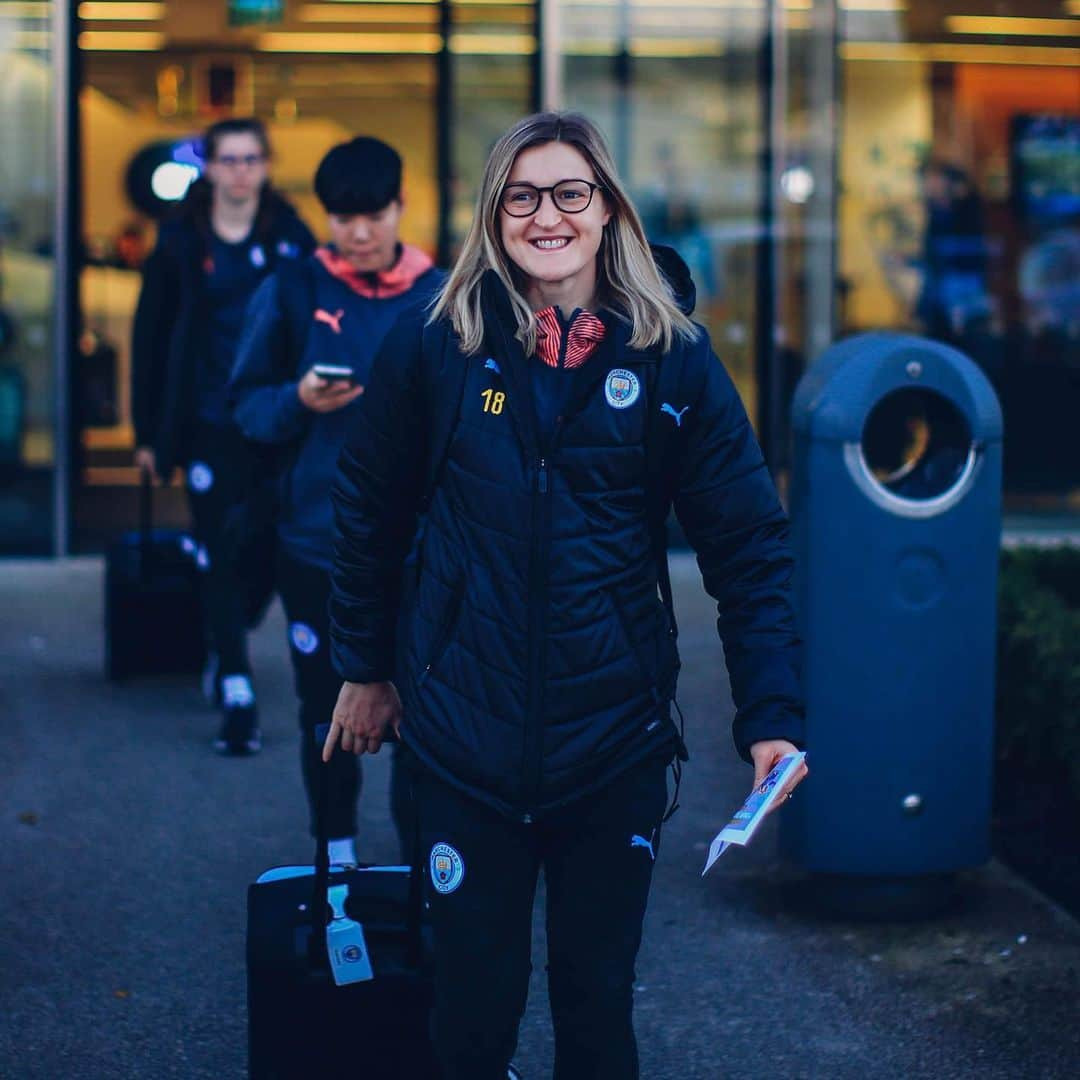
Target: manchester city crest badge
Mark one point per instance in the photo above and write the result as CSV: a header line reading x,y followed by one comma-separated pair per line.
x,y
304,639
447,868
621,388
200,477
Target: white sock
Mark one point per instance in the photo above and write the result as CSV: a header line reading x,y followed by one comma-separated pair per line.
x,y
237,692
342,851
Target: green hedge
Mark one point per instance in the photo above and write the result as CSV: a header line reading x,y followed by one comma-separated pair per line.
x,y
1038,675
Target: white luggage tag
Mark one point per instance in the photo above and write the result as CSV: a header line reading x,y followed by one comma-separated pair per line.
x,y
345,944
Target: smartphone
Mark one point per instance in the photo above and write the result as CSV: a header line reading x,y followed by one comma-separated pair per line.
x,y
333,372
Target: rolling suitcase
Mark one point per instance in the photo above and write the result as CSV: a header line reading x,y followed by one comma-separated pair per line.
x,y
153,617
301,941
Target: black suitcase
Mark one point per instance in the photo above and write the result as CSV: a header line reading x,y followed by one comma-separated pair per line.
x,y
153,617
301,1024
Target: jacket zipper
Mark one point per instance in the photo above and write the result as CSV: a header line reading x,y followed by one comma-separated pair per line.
x,y
533,757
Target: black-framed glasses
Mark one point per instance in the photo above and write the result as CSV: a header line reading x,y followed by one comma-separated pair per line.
x,y
569,197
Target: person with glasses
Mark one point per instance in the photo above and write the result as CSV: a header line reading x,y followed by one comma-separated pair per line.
x,y
518,414
230,232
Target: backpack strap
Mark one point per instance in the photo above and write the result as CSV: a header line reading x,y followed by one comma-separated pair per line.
x,y
445,390
669,398
662,447
444,402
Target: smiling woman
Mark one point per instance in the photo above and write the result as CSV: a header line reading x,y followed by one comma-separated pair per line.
x,y
539,666
548,251
552,245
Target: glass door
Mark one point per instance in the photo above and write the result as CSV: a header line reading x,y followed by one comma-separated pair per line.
x,y
315,73
32,75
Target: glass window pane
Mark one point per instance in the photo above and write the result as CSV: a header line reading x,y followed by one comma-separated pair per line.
x,y
27,278
315,82
959,212
493,53
676,88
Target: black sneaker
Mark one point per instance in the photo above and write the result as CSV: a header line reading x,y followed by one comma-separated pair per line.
x,y
239,734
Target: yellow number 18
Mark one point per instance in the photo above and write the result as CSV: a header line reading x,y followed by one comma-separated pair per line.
x,y
493,401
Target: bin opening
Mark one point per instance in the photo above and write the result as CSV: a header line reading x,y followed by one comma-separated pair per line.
x,y
916,443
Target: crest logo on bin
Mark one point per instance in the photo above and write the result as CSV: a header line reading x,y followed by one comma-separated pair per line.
x,y
447,868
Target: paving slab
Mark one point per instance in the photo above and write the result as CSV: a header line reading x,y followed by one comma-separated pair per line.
x,y
126,847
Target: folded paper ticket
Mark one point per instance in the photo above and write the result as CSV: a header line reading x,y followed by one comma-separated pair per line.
x,y
752,812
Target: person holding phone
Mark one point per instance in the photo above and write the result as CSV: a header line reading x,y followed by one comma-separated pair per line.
x,y
311,333
541,661
230,232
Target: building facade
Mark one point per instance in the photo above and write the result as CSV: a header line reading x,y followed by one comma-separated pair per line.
x,y
824,166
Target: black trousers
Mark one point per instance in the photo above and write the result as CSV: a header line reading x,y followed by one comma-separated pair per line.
x,y
597,856
305,593
236,584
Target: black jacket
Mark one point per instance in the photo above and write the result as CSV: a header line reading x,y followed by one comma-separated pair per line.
x,y
540,659
281,341
171,334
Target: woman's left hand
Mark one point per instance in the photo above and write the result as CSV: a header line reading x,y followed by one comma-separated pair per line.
x,y
766,754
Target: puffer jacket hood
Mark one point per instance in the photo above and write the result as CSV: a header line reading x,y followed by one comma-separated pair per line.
x,y
676,273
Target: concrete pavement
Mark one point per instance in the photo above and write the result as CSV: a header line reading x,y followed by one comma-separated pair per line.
x,y
126,847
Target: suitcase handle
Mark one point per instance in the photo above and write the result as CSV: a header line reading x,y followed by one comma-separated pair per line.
x,y
321,881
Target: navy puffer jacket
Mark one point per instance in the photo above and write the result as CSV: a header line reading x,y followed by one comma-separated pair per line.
x,y
540,657
170,333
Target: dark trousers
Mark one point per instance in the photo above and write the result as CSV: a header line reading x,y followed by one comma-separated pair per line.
x,y
220,477
305,593
597,863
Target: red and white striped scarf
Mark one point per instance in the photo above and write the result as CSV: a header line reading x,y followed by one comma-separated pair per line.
x,y
585,334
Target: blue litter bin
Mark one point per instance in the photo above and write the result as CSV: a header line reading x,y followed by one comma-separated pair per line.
x,y
896,522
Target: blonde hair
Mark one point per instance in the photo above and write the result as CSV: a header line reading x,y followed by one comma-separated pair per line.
x,y
628,280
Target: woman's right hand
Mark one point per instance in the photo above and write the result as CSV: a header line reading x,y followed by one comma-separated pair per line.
x,y
145,460
324,395
365,716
